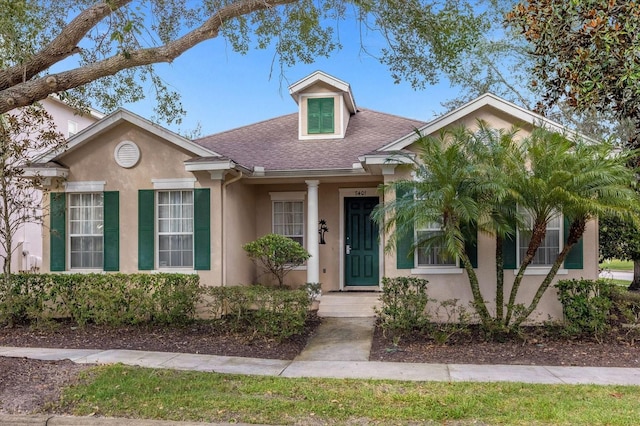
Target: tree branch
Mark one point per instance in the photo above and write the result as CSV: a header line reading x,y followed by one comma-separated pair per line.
x,y
64,45
27,92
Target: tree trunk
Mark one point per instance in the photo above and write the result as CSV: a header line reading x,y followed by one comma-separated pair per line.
x,y
635,284
537,236
478,301
499,280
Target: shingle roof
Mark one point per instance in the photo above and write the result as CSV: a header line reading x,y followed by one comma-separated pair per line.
x,y
274,145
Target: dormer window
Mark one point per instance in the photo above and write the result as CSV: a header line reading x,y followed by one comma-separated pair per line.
x,y
320,117
325,106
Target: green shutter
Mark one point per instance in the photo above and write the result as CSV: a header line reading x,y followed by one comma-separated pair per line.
x,y
404,245
320,115
111,231
146,236
202,228
574,257
471,243
509,250
57,235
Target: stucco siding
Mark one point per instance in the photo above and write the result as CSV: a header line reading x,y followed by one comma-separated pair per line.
x,y
239,229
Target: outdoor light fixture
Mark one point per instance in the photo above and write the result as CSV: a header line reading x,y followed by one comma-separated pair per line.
x,y
323,228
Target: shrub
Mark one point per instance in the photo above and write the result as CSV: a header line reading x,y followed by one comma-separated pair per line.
x,y
277,254
105,299
585,305
404,306
452,319
626,309
263,311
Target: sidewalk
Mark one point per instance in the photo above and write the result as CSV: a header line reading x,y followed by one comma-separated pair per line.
x,y
339,349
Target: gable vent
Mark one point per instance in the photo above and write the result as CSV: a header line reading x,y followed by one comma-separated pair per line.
x,y
127,154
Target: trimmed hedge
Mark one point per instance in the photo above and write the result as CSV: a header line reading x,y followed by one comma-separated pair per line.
x,y
105,299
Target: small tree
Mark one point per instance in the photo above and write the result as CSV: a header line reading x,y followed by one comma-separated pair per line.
x,y
619,239
277,254
22,134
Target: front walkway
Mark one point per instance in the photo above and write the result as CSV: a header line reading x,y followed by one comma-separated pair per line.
x,y
328,356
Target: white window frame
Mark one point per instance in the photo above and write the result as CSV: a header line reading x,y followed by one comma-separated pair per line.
x,y
71,235
72,128
289,197
538,268
158,233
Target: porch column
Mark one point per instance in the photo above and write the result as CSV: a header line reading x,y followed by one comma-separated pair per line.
x,y
313,264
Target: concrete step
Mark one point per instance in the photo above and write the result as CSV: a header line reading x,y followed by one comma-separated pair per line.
x,y
348,305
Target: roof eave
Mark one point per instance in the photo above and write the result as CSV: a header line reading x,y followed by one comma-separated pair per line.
x,y
488,99
119,116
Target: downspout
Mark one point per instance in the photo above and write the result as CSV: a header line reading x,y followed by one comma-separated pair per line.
x,y
223,227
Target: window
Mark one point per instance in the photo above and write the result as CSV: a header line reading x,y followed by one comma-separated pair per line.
x,y
550,247
320,115
434,254
288,220
86,230
175,229
72,128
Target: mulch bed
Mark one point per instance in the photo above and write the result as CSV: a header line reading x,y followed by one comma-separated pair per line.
x,y
537,346
27,385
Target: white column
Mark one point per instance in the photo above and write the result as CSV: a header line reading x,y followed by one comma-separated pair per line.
x,y
313,264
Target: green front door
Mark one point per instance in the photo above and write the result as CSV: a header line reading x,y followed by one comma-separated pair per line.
x,y
362,256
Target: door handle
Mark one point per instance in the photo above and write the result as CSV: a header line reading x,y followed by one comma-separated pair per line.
x,y
347,249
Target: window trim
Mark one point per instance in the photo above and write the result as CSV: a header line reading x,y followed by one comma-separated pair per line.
x,y
85,186
157,233
339,119
69,235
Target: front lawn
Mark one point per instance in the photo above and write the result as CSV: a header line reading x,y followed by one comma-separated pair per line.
x,y
617,265
122,391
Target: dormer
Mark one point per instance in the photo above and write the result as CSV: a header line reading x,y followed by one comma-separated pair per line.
x,y
325,105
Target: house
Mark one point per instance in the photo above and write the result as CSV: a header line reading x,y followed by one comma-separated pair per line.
x,y
27,254
131,196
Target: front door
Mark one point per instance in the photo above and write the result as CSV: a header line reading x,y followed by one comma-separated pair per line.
x,y
361,251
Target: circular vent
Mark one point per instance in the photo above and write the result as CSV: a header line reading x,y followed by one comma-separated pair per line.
x,y
127,154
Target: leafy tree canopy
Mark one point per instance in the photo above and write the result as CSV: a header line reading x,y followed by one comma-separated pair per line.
x,y
105,50
585,53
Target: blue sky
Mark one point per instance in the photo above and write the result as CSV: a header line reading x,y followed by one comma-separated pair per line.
x,y
222,89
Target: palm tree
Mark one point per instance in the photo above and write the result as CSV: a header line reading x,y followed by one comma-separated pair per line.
x,y
475,179
574,178
444,190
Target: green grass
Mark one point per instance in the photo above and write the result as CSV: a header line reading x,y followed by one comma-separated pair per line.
x,y
622,283
123,391
617,265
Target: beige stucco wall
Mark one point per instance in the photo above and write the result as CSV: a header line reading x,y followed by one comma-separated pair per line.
x,y
159,159
240,228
